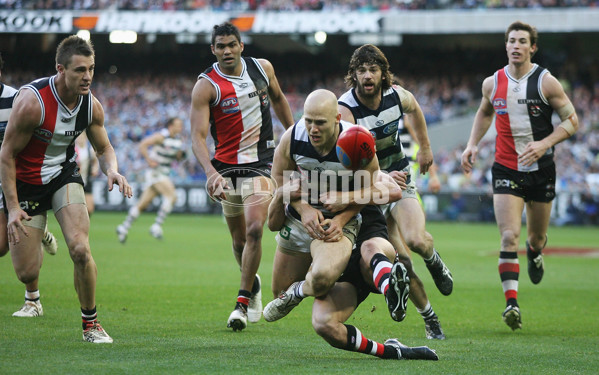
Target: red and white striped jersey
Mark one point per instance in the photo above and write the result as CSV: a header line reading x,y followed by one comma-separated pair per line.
x,y
241,123
52,145
523,115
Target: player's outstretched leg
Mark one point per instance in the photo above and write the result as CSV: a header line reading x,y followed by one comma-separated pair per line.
x,y
417,352
284,303
440,273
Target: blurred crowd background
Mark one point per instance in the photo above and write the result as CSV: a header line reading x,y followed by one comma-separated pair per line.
x,y
142,94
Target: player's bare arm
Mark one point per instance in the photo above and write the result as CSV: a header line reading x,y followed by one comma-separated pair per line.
x,y
415,117
24,118
277,98
202,95
559,101
96,133
281,163
144,145
482,122
434,184
383,190
333,228
346,114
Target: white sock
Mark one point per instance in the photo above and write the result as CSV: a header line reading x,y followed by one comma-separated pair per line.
x,y
32,296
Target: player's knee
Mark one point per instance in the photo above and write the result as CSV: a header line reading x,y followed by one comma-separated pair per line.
x,y
509,239
80,253
368,249
167,204
321,283
28,274
4,249
537,241
417,244
254,232
238,245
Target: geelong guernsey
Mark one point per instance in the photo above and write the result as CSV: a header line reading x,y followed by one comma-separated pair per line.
x,y
321,173
165,153
7,95
241,124
523,115
51,147
383,125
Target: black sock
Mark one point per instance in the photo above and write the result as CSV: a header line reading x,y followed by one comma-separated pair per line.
x,y
88,317
243,299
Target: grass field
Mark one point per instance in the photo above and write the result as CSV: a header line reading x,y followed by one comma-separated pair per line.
x,y
166,305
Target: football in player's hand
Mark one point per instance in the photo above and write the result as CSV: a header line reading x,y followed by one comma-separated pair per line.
x,y
355,147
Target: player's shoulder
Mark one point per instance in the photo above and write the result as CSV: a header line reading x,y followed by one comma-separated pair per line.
x,y
264,64
347,98
488,84
7,91
405,96
164,133
550,85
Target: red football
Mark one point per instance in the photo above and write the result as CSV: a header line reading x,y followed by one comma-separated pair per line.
x,y
355,147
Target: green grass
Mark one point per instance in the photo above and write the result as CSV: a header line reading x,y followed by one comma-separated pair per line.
x,y
166,305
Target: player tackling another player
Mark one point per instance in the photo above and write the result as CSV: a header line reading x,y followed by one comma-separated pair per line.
x,y
316,234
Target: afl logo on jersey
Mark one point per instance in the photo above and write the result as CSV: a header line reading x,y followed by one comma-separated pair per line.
x,y
229,105
43,135
500,106
373,133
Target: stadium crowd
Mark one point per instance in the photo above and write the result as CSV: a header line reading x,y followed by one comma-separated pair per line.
x,y
289,5
140,103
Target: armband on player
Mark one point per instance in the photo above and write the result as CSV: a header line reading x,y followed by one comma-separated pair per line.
x,y
566,114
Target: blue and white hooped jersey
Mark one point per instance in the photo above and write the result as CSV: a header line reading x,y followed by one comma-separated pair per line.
x,y
323,172
383,124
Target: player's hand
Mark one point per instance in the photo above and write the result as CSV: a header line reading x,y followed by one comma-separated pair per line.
x,y
532,153
153,163
292,191
400,177
333,231
216,185
312,219
115,178
15,225
425,159
334,201
469,158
